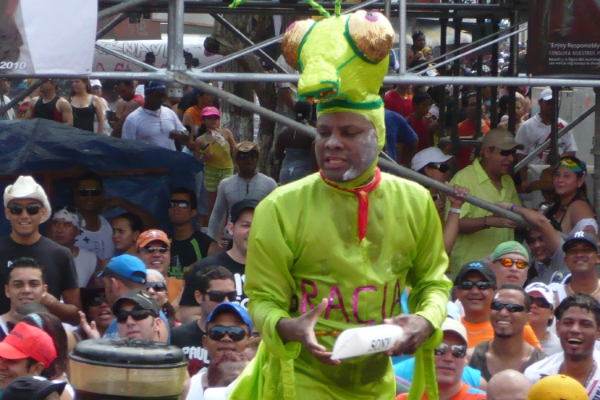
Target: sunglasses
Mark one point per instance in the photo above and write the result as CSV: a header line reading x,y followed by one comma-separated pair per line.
x,y
152,249
17,209
458,351
511,307
235,333
506,153
98,300
179,203
481,285
508,262
248,154
157,286
90,192
218,296
443,168
138,314
540,302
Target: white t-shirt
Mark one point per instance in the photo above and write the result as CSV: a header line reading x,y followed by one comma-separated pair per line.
x,y
557,263
534,132
551,346
152,126
197,389
85,264
100,242
551,365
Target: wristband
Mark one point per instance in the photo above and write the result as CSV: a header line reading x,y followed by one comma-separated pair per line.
x,y
455,210
512,208
485,225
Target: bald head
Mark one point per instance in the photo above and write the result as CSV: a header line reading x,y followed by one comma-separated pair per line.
x,y
508,385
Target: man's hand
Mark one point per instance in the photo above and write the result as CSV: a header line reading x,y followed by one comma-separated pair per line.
x,y
89,329
302,329
48,300
416,331
500,222
440,204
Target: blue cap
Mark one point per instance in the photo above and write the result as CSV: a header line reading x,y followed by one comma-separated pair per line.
x,y
231,308
580,236
154,86
129,267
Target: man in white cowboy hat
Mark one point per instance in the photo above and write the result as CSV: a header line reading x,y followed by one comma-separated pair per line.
x,y
26,206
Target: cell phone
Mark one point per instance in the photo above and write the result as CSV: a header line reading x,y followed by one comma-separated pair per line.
x,y
436,196
111,115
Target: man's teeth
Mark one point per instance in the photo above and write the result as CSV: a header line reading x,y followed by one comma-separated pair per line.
x,y
503,323
575,341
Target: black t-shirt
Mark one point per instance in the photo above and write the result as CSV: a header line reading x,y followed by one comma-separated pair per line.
x,y
58,263
185,253
188,337
222,259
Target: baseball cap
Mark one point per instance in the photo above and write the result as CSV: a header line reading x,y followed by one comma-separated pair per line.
x,y
198,92
95,82
25,187
26,341
231,308
452,325
557,387
142,299
483,269
150,236
154,86
509,247
238,208
542,289
504,140
32,388
70,214
427,156
580,236
208,111
546,94
129,267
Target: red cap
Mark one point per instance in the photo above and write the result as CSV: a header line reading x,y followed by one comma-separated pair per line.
x,y
208,111
26,341
150,236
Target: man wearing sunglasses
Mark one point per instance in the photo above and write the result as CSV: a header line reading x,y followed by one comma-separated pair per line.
x,y
581,257
248,183
578,327
536,130
137,316
26,207
228,329
479,232
214,285
510,263
541,316
508,349
450,362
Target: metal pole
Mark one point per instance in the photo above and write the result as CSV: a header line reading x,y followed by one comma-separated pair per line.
x,y
388,9
175,60
108,27
188,79
247,42
267,42
553,156
119,8
454,136
483,46
596,153
494,88
162,75
402,36
562,133
15,100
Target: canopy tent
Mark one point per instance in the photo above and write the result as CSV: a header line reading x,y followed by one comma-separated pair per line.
x,y
55,153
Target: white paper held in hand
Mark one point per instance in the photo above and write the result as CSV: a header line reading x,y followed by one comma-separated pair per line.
x,y
368,340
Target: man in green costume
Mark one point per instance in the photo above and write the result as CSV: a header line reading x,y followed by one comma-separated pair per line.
x,y
334,250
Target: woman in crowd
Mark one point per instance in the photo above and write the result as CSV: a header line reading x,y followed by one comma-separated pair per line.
x,y
97,311
213,148
571,206
415,52
157,288
86,106
518,113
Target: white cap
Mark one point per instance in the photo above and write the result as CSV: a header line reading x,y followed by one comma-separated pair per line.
x,y
157,274
25,187
543,289
455,326
546,94
95,82
428,155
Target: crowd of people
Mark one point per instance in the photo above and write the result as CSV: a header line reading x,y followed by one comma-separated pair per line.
x,y
522,303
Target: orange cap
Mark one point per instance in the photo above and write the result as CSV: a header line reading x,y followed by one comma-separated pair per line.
x,y
150,236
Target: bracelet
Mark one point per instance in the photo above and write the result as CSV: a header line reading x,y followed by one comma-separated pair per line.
x,y
512,208
455,210
485,225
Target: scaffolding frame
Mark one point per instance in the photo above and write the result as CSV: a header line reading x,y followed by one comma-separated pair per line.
x,y
177,75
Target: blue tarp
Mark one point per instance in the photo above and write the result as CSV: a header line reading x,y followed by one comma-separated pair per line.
x,y
41,145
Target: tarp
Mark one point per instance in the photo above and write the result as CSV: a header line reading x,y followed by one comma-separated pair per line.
x,y
40,145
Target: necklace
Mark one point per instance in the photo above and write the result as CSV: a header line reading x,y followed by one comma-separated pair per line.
x,y
157,116
248,193
481,331
591,294
590,375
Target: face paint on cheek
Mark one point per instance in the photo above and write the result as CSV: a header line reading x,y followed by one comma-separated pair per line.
x,y
368,153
